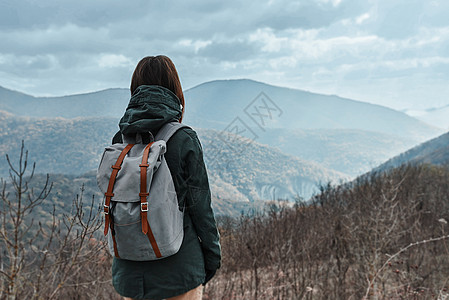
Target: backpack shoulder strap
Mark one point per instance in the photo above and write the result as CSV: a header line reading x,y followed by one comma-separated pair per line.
x,y
166,131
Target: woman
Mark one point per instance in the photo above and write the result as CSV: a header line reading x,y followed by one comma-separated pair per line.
x,y
156,99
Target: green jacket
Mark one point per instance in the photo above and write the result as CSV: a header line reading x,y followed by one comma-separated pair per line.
x,y
151,107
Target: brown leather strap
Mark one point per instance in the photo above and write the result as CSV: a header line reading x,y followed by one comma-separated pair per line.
x,y
143,189
146,229
153,243
109,194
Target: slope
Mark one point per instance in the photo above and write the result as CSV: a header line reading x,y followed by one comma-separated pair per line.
x,y
434,151
215,104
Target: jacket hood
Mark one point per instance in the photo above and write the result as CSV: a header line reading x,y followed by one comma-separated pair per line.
x,y
150,107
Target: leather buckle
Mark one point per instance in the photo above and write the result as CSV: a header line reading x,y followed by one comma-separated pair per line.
x,y
144,206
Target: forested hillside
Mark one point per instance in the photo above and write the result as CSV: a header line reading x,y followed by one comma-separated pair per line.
x,y
68,146
70,150
434,151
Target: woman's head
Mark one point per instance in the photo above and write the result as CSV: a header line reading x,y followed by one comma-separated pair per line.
x,y
158,70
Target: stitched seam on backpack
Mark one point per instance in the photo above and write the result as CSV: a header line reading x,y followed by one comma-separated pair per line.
x,y
165,245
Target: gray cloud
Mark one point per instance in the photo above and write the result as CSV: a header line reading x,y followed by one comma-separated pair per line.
x,y
229,51
307,14
41,14
330,46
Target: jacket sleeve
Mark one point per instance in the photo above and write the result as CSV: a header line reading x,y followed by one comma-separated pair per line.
x,y
198,203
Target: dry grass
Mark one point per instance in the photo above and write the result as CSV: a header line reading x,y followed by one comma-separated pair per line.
x,y
382,237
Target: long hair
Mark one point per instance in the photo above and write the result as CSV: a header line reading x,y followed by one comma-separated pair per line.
x,y
158,70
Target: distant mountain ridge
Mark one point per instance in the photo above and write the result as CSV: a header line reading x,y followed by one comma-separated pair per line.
x,y
345,135
215,104
105,103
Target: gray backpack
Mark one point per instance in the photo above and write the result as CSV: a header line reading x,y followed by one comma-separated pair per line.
x,y
143,220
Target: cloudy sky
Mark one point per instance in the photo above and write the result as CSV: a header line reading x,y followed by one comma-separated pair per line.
x,y
390,52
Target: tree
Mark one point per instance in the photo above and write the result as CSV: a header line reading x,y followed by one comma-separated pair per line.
x,y
43,259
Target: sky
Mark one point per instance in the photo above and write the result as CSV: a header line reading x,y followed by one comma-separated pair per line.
x,y
389,52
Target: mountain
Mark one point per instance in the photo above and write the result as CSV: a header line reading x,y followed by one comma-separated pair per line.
x,y
106,103
345,135
434,151
215,104
238,175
